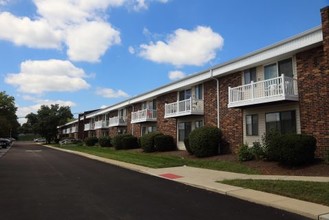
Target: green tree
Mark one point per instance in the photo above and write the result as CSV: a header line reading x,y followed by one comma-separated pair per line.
x,y
8,118
48,118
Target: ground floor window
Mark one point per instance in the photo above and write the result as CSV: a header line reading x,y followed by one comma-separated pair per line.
x,y
185,128
148,129
283,122
252,125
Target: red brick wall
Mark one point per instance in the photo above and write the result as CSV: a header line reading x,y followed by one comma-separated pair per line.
x,y
166,125
230,118
210,103
313,83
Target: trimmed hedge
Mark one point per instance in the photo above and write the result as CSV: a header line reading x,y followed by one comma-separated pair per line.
x,y
104,142
91,141
129,142
297,149
147,141
289,149
204,141
119,143
187,146
164,143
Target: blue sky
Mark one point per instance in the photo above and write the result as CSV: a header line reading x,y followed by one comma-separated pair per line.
x,y
90,54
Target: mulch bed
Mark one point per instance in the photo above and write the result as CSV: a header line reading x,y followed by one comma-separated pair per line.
x,y
318,168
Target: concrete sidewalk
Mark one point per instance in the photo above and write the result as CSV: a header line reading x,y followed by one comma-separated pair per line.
x,y
206,179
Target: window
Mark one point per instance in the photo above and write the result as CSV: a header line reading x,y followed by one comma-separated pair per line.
x,y
185,94
184,129
252,125
285,67
249,75
149,105
198,91
283,122
199,124
270,71
277,69
148,129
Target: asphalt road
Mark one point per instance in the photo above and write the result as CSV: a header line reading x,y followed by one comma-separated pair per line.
x,y
41,183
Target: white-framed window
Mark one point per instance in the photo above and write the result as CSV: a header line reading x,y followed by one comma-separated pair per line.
x,y
277,69
252,125
283,122
148,129
198,92
249,75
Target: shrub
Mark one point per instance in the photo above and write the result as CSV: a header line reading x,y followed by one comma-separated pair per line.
x,y
257,150
297,149
245,153
147,141
164,143
187,146
117,141
105,142
91,141
271,145
129,142
204,141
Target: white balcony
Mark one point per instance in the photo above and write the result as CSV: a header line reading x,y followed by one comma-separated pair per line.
x,y
74,129
89,126
117,121
185,107
144,115
271,90
101,124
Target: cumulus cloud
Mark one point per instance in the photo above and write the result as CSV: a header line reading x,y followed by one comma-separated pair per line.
x,y
131,50
184,47
24,31
41,76
175,75
111,93
82,48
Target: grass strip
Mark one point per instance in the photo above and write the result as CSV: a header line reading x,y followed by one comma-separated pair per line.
x,y
317,192
159,161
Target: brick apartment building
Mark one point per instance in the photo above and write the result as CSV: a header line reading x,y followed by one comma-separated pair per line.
x,y
284,86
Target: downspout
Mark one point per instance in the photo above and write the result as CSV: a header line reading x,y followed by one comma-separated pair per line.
x,y
217,94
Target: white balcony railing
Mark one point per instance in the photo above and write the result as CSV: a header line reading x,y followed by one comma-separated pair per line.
x,y
271,90
143,116
117,121
185,107
89,126
101,124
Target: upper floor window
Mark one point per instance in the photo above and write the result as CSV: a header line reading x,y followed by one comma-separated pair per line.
x,y
277,69
122,112
249,75
198,91
149,105
184,94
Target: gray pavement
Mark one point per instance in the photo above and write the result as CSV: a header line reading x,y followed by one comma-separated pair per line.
x,y
207,179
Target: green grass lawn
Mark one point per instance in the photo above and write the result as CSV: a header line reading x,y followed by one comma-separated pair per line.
x,y
159,161
317,192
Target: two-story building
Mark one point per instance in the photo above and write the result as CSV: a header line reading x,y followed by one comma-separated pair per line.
x,y
284,86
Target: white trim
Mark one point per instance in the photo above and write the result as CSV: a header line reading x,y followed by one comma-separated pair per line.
x,y
289,46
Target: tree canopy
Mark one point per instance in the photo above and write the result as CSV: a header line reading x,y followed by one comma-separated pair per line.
x,y
8,118
47,119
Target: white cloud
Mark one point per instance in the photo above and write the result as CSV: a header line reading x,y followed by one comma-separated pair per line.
x,y
175,75
111,93
131,50
94,38
184,47
24,31
3,2
41,76
140,5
